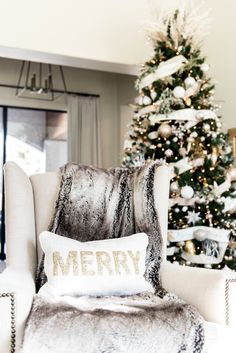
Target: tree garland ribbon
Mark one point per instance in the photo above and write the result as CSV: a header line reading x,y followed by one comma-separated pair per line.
x,y
188,114
164,69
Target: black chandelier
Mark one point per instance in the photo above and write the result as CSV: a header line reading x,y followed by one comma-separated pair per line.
x,y
36,81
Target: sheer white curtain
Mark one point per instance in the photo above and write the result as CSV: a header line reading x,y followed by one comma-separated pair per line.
x,y
84,141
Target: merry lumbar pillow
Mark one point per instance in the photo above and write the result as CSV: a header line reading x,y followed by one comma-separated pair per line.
x,y
103,267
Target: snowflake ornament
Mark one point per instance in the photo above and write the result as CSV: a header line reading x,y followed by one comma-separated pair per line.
x,y
193,217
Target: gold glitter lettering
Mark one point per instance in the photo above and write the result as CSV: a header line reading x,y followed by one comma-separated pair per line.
x,y
135,258
103,262
120,261
85,262
72,259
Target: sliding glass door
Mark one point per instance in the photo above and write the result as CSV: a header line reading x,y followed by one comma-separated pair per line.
x,y
34,139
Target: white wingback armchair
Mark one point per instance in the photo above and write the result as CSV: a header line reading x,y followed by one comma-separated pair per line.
x,y
29,208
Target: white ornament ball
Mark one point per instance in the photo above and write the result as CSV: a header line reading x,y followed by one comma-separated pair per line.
x,y
189,81
147,100
153,95
177,210
169,153
202,138
165,130
167,142
179,92
174,187
204,67
228,149
187,192
185,209
206,127
194,134
175,139
218,124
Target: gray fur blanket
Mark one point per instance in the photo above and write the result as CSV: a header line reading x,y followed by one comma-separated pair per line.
x,y
97,204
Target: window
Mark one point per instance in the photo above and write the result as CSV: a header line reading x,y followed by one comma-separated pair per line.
x,y
36,140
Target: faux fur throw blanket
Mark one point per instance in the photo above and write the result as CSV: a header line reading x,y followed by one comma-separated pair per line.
x,y
141,323
97,204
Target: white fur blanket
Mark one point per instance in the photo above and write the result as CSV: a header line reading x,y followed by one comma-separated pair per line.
x,y
136,324
98,204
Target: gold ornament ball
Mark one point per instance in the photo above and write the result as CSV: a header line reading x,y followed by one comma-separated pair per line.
x,y
189,247
165,130
231,173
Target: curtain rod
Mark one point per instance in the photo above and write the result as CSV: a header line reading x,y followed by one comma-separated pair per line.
x,y
56,91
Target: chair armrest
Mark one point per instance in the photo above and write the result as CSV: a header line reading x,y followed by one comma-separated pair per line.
x,y
212,292
17,289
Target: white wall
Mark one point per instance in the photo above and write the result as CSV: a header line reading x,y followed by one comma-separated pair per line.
x,y
113,31
114,90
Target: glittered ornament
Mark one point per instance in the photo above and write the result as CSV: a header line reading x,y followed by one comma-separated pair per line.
x,y
164,130
189,81
189,247
169,153
174,187
153,95
200,234
147,100
231,173
179,92
187,192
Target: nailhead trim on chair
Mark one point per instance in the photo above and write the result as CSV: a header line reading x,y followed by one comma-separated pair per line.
x,y
227,306
13,319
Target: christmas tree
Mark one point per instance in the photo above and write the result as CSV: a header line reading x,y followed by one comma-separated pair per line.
x,y
176,120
